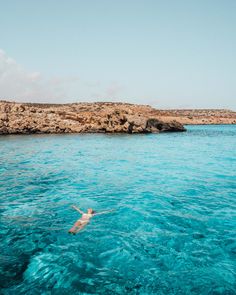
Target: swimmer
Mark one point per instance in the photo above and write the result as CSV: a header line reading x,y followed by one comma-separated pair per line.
x,y
84,220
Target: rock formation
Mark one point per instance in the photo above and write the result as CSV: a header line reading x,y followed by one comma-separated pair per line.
x,y
199,116
24,118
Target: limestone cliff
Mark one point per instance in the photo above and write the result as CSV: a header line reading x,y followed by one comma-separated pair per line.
x,y
199,116
23,118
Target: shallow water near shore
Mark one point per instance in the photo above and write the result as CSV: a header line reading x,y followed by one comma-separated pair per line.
x,y
173,231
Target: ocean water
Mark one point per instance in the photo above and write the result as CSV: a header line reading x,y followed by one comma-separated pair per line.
x,y
173,230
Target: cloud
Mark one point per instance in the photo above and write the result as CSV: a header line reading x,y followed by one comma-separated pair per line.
x,y
18,84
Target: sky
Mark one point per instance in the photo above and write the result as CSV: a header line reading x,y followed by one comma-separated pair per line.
x,y
169,53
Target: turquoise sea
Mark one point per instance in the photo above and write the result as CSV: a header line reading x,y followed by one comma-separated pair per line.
x,y
173,231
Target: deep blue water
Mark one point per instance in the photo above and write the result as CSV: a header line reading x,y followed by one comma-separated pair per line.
x,y
173,231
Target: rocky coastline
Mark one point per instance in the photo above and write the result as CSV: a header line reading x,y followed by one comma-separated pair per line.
x,y
28,118
199,116
102,117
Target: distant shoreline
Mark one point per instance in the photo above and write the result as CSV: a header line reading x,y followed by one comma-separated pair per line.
x,y
200,116
103,117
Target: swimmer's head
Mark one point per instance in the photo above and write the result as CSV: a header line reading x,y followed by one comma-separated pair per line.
x,y
91,211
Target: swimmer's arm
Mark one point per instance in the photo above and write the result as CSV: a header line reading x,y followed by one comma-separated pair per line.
x,y
104,212
77,209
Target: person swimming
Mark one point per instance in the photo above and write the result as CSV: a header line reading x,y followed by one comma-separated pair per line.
x,y
84,220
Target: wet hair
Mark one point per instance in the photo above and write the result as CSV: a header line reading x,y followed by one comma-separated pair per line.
x,y
93,211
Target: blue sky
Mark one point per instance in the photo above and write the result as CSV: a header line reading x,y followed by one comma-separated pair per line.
x,y
170,54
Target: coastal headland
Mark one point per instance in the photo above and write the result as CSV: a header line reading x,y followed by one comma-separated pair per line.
x,y
101,117
199,116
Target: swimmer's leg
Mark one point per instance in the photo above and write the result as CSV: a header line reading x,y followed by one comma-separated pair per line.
x,y
74,227
78,226
72,231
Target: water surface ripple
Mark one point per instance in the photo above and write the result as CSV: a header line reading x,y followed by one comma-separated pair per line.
x,y
173,231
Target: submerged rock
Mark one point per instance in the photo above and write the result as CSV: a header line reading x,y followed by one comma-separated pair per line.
x,y
27,118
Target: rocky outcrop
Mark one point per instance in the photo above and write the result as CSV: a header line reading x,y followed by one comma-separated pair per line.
x,y
24,118
199,116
